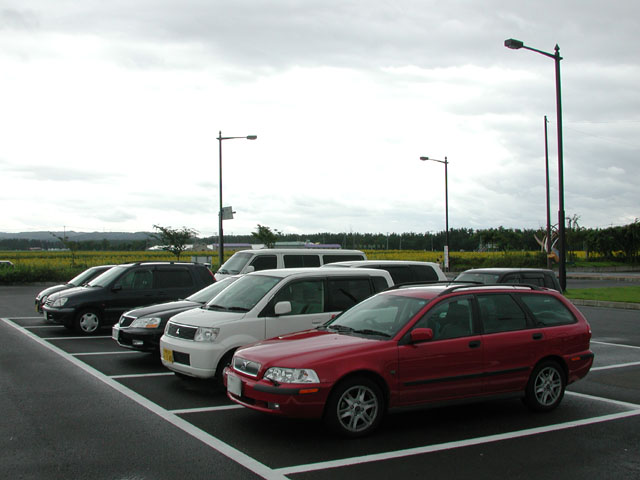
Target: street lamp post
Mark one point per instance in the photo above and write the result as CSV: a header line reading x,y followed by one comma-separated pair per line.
x,y
562,268
446,208
220,234
546,168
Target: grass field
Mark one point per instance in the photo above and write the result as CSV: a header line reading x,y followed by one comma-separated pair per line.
x,y
629,294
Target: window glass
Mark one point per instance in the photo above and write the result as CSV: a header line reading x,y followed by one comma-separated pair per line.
x,y
511,278
548,310
379,284
478,277
449,319
549,282
236,263
173,278
346,292
386,314
533,279
399,274
501,313
107,277
306,296
423,272
264,262
330,258
138,279
244,293
294,261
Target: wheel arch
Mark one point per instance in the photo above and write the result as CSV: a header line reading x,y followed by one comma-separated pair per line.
x,y
557,359
370,375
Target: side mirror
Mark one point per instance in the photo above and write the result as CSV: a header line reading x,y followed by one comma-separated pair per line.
x,y
249,269
282,308
116,287
421,335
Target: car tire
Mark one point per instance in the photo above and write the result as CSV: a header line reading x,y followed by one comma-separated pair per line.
x,y
88,322
545,388
355,407
225,361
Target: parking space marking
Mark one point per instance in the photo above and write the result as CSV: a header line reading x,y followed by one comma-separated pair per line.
x,y
178,411
139,375
616,344
125,352
345,462
606,400
619,365
223,448
43,326
74,338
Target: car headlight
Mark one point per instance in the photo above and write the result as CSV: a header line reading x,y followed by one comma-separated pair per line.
x,y
291,375
59,302
148,322
206,334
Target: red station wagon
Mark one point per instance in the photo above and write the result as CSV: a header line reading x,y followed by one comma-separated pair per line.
x,y
418,346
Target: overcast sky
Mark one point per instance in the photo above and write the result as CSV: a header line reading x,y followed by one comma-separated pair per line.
x,y
110,113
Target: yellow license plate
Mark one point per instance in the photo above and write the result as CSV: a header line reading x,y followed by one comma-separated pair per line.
x,y
167,355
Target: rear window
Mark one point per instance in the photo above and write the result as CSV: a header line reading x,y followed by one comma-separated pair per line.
x,y
399,274
423,272
379,284
501,313
547,310
294,261
330,258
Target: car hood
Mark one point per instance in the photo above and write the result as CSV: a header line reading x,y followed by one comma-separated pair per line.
x,y
305,349
162,309
73,292
200,317
55,288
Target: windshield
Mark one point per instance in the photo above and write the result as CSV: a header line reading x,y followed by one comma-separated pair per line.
x,y
235,264
244,293
478,277
107,277
381,315
207,293
82,277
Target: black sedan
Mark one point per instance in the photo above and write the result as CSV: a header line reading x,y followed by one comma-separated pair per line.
x,y
141,328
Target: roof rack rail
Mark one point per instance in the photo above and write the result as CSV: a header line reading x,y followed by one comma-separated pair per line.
x,y
427,283
499,285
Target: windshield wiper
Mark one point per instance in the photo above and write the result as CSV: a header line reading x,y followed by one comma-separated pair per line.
x,y
238,309
367,331
215,307
340,328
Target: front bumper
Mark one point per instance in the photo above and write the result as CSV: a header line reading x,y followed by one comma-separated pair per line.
x,y
142,339
287,400
64,316
196,359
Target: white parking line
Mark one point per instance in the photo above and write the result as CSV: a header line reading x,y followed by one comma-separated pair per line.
x,y
236,455
206,409
450,445
606,400
138,375
30,327
52,339
124,352
620,365
616,344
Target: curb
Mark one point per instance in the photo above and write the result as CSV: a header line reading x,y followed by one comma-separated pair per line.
x,y
604,303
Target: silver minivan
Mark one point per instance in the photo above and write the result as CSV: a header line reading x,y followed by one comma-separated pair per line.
x,y
247,261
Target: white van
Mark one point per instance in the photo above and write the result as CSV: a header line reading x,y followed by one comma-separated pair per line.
x,y
246,261
200,342
402,271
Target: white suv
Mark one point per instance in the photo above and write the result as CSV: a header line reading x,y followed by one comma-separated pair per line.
x,y
200,342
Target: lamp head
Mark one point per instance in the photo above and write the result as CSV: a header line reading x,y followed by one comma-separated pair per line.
x,y
424,158
251,137
513,44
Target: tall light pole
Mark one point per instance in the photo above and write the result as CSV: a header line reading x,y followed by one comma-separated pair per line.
x,y
546,168
220,233
562,268
446,208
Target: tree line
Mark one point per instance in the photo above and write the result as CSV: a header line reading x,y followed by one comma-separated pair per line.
x,y
620,243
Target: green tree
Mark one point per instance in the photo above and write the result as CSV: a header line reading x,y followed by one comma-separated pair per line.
x,y
266,236
174,240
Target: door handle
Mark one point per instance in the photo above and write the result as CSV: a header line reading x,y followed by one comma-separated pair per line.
x,y
537,336
474,344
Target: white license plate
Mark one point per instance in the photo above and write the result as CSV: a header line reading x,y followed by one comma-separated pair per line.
x,y
234,385
114,333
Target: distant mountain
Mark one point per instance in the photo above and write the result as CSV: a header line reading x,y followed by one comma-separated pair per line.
x,y
78,236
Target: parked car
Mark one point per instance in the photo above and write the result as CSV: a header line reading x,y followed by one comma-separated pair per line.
x,y
247,261
77,281
401,271
530,276
200,342
418,346
123,287
141,328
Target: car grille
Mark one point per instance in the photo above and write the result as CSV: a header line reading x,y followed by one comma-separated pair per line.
x,y
180,331
246,366
126,321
